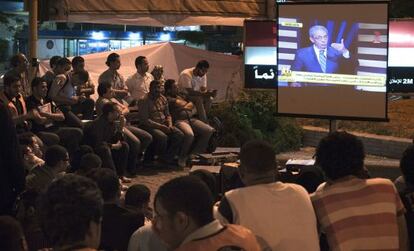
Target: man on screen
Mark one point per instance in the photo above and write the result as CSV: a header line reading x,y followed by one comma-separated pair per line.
x,y
320,57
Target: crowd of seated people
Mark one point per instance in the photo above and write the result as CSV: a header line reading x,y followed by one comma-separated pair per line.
x,y
63,180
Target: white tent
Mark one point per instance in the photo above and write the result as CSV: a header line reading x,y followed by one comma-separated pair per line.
x,y
225,73
157,12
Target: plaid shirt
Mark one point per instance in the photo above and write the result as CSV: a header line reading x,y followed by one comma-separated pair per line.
x,y
154,111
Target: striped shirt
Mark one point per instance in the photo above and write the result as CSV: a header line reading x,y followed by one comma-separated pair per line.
x,y
357,214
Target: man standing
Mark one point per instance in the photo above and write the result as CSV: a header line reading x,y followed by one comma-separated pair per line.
x,y
320,57
280,214
20,67
138,84
355,213
193,82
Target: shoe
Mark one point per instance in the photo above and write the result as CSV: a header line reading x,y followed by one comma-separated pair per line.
x,y
182,162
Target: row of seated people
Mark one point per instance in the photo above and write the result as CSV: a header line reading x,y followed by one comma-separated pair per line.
x,y
53,115
349,211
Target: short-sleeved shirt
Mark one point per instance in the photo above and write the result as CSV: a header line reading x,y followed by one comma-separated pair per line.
x,y
116,79
358,214
188,80
34,103
62,85
155,110
138,85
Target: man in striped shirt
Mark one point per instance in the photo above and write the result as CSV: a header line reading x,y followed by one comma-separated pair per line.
x,y
355,213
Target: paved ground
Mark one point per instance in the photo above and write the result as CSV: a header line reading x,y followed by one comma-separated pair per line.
x,y
378,167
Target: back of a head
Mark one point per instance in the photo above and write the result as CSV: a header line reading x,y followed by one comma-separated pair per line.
x,y
16,59
203,64
188,195
68,207
90,161
54,154
340,154
208,178
107,181
11,234
137,195
108,108
258,156
407,164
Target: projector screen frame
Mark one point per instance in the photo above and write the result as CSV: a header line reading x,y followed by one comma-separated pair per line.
x,y
336,117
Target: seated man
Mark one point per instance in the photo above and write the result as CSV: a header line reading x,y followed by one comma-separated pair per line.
x,y
105,135
118,223
182,113
280,214
405,186
71,213
112,76
193,82
184,219
134,135
138,84
156,119
355,213
50,75
63,93
87,88
56,162
48,126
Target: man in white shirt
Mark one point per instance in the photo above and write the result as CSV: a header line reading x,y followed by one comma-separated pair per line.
x,y
280,214
138,84
193,82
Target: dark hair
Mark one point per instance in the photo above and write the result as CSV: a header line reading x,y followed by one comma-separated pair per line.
x,y
108,108
189,195
26,138
258,156
68,207
77,60
82,75
153,83
36,82
63,62
11,234
168,84
10,79
407,164
340,154
202,64
54,154
53,61
90,161
208,178
107,181
77,156
15,59
137,195
103,88
139,60
111,58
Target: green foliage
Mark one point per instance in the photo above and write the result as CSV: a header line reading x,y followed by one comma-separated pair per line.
x,y
253,117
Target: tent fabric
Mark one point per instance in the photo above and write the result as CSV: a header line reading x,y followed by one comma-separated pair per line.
x,y
157,12
225,73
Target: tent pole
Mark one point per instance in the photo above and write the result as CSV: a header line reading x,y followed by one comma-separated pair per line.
x,y
33,12
271,9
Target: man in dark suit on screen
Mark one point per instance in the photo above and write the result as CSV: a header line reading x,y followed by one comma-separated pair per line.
x,y
320,57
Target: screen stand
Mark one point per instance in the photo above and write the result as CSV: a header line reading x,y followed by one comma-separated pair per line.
x,y
333,125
